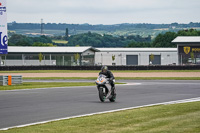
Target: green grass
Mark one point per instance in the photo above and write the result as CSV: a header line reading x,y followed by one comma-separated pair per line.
x,y
96,71
117,78
176,118
33,85
60,41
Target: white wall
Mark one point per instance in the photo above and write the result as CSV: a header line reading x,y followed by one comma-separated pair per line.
x,y
143,57
29,62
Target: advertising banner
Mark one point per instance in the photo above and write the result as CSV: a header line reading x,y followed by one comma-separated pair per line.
x,y
3,28
188,49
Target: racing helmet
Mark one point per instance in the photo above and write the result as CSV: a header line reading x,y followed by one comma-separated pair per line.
x,y
104,69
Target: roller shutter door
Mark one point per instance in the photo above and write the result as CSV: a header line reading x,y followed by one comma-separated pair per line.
x,y
132,59
157,60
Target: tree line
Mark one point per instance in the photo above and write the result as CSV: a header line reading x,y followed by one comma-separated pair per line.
x,y
89,27
22,40
97,40
164,40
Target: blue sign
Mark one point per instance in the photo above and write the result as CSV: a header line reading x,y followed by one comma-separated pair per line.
x,y
3,28
3,44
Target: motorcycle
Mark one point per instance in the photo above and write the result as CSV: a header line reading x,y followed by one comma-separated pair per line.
x,y
105,89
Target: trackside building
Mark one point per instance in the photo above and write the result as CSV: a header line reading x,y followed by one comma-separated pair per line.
x,y
186,53
188,49
87,56
136,56
60,56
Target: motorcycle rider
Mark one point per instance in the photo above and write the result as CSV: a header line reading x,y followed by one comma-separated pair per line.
x,y
108,74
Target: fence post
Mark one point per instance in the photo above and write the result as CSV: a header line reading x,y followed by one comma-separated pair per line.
x,y
9,80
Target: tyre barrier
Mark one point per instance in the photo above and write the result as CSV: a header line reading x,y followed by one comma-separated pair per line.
x,y
152,67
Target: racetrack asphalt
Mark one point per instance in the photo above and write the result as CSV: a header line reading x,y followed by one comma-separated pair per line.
x,y
18,107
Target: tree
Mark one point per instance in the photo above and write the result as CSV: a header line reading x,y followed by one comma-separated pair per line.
x,y
21,40
97,40
40,57
77,57
66,34
192,56
113,57
151,57
164,40
40,44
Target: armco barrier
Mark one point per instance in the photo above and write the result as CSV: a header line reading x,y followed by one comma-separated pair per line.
x,y
10,80
153,67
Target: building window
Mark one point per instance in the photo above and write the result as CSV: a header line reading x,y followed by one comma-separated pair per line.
x,y
13,57
87,60
31,57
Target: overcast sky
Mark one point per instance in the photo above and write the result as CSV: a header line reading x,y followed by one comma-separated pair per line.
x,y
104,11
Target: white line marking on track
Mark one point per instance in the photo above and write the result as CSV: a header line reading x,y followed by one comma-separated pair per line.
x,y
61,87
110,111
133,84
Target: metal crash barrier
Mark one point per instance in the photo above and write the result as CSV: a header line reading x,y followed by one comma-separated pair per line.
x,y
10,80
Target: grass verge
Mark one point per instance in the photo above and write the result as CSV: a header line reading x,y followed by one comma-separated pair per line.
x,y
117,78
33,85
176,118
96,71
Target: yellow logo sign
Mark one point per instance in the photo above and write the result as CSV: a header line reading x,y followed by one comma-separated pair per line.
x,y
187,50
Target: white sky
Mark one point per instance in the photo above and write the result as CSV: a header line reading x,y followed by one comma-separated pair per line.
x,y
103,11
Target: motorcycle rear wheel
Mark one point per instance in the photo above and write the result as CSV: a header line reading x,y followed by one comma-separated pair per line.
x,y
113,98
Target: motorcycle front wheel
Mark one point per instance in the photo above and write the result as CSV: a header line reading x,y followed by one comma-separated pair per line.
x,y
102,97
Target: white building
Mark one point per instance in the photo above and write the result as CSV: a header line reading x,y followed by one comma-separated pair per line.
x,y
136,56
187,52
60,56
75,56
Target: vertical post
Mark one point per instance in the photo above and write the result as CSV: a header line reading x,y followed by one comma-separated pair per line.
x,y
101,59
22,59
0,60
63,60
195,59
95,59
139,58
160,58
44,60
181,60
80,60
178,54
5,60
9,80
50,59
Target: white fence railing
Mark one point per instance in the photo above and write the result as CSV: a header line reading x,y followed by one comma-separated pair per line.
x,y
15,79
